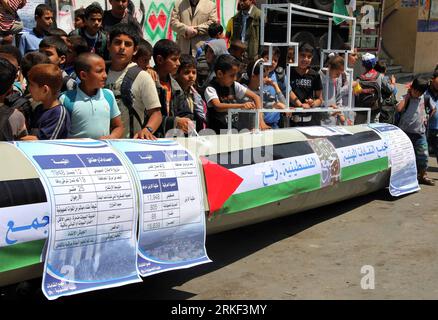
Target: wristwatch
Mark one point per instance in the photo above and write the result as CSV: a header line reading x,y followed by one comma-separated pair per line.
x,y
150,129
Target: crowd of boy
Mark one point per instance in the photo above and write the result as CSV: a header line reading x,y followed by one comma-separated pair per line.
x,y
97,82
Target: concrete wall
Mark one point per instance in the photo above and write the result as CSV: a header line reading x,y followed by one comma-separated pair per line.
x,y
399,37
413,50
426,52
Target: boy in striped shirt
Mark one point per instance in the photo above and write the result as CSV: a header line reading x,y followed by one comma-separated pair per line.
x,y
10,23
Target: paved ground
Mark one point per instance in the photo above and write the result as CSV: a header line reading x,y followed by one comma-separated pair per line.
x,y
316,254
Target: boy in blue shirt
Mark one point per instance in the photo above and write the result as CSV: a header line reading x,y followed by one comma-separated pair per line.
x,y
275,79
49,120
215,31
94,111
271,99
30,41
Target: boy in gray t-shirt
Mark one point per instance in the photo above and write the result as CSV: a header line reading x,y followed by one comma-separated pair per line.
x,y
413,111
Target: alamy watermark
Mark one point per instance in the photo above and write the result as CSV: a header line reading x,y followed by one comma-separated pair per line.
x,y
367,282
243,147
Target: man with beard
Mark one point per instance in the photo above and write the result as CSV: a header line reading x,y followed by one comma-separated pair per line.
x,y
245,26
190,20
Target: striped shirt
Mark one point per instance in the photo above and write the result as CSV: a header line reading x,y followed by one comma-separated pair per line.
x,y
49,124
7,18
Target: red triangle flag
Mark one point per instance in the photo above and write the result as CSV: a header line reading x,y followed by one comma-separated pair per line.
x,y
218,192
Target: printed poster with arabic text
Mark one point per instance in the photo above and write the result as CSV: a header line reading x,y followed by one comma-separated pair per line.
x,y
92,239
172,214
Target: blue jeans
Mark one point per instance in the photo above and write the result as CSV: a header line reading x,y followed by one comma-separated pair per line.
x,y
272,119
421,148
433,139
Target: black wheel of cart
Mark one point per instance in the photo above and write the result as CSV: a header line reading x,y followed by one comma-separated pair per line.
x,y
304,3
304,37
337,42
326,5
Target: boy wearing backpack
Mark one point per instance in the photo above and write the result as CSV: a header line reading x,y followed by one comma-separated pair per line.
x,y
93,110
133,87
12,121
389,100
56,49
173,101
92,31
413,111
49,120
16,99
372,86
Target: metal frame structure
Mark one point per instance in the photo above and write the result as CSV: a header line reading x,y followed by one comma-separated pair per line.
x,y
292,9
298,110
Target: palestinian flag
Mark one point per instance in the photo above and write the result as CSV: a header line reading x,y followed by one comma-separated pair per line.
x,y
23,222
361,154
264,174
259,176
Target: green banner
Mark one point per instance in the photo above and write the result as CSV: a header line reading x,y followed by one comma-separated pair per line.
x,y
20,255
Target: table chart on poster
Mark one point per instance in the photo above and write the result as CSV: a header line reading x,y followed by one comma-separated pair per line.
x,y
94,198
169,185
403,178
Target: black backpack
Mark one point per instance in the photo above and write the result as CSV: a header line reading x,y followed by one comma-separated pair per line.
x,y
202,68
5,126
371,95
127,97
66,80
389,103
388,114
280,73
17,101
100,45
